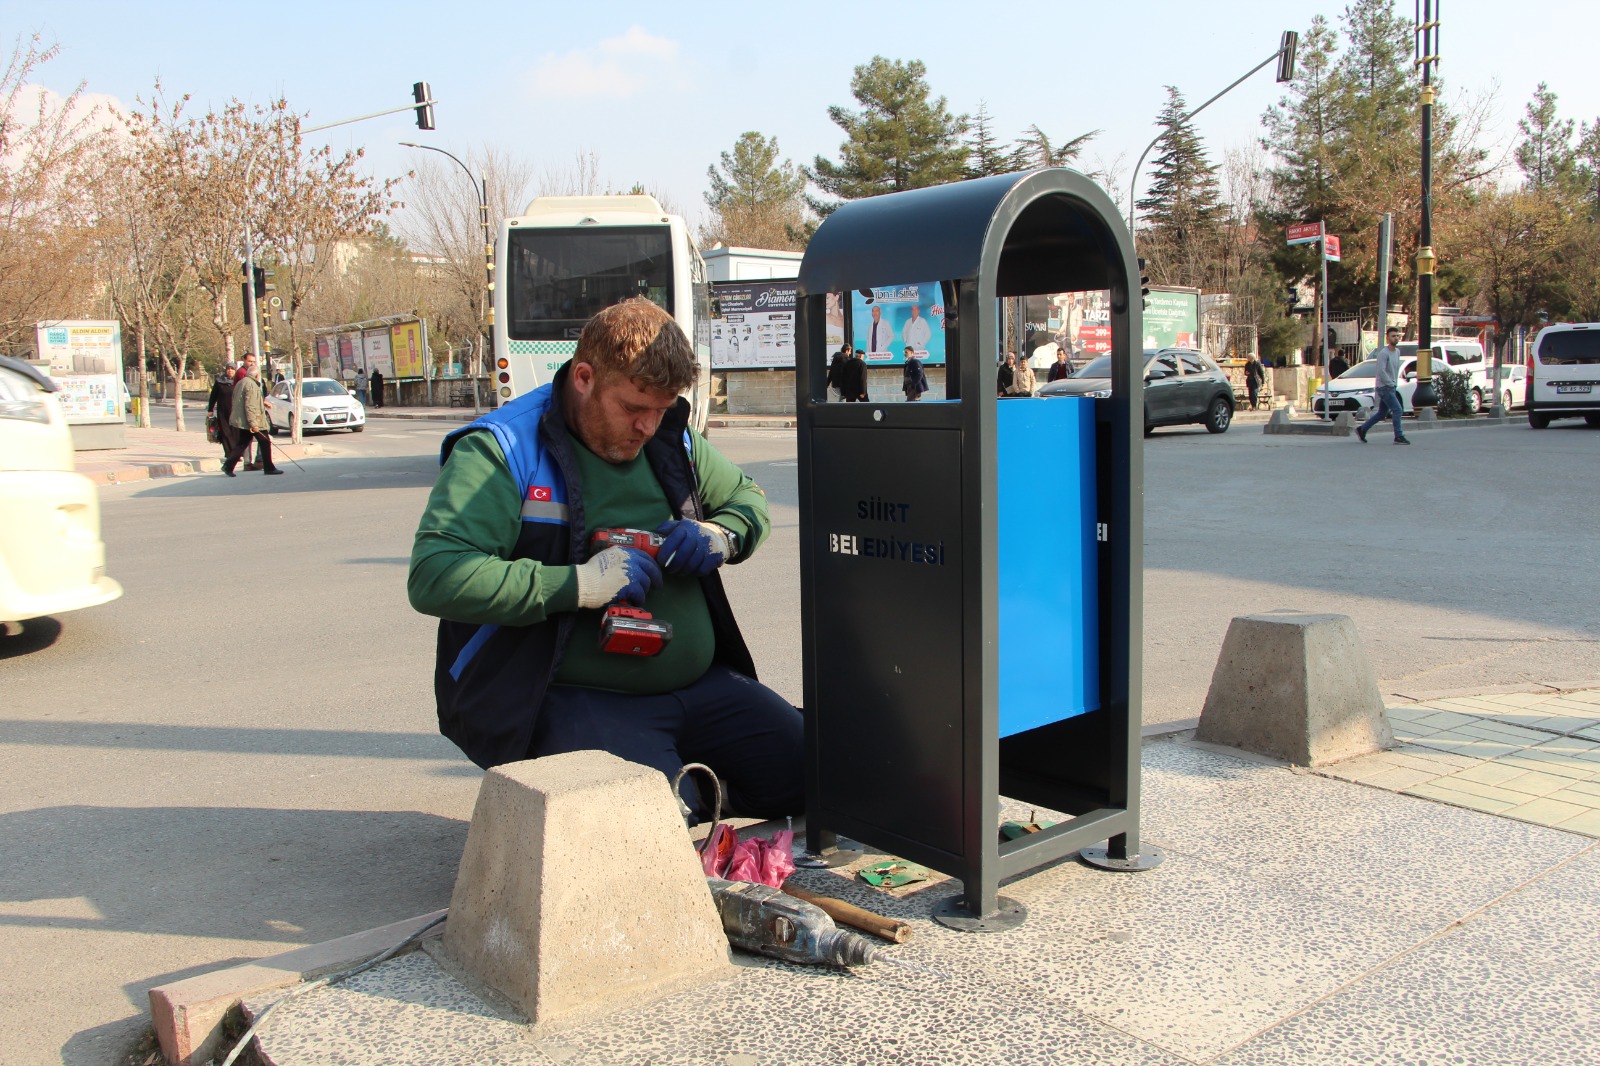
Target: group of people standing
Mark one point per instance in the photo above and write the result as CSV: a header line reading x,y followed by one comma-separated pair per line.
x,y
238,402
1015,378
847,376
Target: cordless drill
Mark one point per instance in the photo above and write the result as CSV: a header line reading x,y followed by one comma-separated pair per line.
x,y
626,630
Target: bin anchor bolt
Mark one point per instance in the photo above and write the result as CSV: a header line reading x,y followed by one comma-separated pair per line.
x,y
1148,858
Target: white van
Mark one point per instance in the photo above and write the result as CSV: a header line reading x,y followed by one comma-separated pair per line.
x,y
1463,356
1564,374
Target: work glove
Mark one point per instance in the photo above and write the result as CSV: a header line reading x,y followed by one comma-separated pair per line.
x,y
617,574
692,547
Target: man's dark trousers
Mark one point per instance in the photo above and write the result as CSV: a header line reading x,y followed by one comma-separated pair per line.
x,y
752,737
242,445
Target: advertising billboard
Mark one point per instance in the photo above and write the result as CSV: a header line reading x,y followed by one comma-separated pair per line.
x,y
1172,318
757,324
888,319
86,364
405,340
376,353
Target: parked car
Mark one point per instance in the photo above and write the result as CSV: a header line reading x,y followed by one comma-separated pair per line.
x,y
1564,374
1513,388
1181,386
328,406
51,556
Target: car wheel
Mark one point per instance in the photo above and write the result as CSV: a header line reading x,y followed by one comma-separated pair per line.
x,y
1538,420
357,429
1148,427
1219,416
1475,401
1507,404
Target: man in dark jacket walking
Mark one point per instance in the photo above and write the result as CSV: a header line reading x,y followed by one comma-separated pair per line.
x,y
503,557
853,378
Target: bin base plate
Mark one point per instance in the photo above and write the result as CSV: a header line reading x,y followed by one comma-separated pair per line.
x,y
954,914
1100,856
847,852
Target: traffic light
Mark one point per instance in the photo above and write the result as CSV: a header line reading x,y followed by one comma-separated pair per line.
x,y
263,284
424,98
244,301
1144,283
1286,51
1293,292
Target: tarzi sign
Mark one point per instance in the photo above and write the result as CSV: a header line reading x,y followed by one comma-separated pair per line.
x,y
887,320
757,324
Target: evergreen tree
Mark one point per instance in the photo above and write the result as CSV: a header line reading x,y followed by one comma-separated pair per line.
x,y
1183,205
984,154
1033,149
1545,153
757,201
1301,126
900,139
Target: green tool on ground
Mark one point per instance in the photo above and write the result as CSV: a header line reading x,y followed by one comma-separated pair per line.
x,y
893,874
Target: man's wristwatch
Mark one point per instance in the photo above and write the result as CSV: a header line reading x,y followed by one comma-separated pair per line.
x,y
733,541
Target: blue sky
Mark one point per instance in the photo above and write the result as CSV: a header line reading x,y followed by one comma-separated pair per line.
x,y
658,91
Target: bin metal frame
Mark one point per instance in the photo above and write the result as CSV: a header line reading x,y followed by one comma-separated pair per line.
x,y
1046,231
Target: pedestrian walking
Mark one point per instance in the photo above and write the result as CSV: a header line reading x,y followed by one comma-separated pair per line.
x,y
249,418
219,409
1387,384
836,375
853,378
377,388
1254,375
914,382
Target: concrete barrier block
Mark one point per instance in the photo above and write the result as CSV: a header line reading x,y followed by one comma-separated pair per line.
x,y
1297,687
579,890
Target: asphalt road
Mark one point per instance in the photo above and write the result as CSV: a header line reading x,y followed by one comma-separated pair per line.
x,y
240,756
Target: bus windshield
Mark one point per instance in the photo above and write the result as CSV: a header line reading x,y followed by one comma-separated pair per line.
x,y
559,278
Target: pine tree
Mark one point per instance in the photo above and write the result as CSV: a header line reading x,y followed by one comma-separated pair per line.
x,y
1301,127
756,200
1183,204
900,139
984,154
1545,153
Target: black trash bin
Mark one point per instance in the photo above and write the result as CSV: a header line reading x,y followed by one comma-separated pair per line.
x,y
970,568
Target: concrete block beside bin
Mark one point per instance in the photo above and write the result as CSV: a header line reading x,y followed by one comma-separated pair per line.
x,y
1296,687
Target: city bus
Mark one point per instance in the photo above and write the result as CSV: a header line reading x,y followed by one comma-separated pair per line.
x,y
567,257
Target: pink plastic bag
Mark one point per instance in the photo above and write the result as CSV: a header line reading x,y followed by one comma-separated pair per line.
x,y
763,862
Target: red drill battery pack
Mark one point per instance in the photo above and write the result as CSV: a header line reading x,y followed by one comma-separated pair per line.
x,y
643,539
633,631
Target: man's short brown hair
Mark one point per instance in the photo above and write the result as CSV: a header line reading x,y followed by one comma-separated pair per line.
x,y
638,340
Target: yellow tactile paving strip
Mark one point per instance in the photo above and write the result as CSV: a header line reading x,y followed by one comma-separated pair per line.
x,y
1526,755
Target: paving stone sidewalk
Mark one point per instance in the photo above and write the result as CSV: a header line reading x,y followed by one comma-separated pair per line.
x,y
1298,919
1531,756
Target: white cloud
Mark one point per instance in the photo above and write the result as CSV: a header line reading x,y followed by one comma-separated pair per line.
x,y
617,67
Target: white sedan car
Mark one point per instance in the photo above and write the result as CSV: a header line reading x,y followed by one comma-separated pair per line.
x,y
327,405
51,556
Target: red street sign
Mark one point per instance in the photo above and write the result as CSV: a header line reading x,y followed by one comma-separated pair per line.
x,y
1304,232
1330,248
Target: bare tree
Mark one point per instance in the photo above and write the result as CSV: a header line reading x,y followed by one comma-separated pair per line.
x,y
48,147
312,200
581,177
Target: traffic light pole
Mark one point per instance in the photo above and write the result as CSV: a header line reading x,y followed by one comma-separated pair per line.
x,y
424,100
1426,56
1285,57
482,184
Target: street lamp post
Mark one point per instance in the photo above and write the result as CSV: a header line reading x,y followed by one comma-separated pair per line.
x,y
1427,54
482,185
1285,57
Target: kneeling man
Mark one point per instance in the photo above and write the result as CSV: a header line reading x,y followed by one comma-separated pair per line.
x,y
503,558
